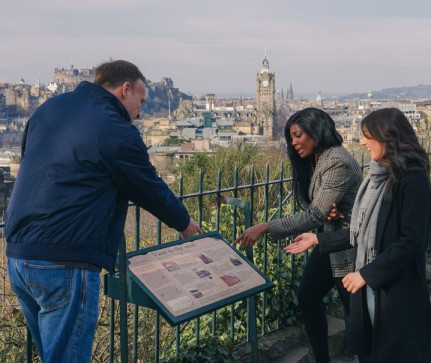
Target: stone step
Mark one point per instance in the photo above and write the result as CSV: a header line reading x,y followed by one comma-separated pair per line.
x,y
298,354
289,345
273,346
336,341
428,272
301,355
345,358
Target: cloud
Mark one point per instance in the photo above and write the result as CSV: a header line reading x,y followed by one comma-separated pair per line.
x,y
338,45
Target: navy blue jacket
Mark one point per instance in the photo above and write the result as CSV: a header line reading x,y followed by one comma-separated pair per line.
x,y
82,161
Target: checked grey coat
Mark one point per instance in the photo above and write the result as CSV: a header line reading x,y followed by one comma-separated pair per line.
x,y
336,179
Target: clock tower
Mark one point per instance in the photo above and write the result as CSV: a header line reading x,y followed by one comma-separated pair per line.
x,y
265,91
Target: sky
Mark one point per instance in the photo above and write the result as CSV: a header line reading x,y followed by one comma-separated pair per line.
x,y
336,46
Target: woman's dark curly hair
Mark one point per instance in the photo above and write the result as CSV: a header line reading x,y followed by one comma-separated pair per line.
x,y
321,128
391,127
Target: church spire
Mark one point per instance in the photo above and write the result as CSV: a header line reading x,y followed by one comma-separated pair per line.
x,y
265,65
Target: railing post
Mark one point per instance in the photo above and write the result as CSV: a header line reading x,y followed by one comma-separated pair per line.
x,y
123,302
251,301
280,215
265,244
200,206
136,308
219,175
234,230
29,347
111,329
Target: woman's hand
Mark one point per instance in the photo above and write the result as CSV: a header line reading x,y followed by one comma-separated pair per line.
x,y
302,243
335,214
353,282
251,235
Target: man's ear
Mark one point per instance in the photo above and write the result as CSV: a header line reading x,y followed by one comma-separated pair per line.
x,y
126,88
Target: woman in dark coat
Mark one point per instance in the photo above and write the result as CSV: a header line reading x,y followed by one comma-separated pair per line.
x,y
390,314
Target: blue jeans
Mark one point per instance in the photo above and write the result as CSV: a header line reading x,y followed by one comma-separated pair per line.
x,y
60,304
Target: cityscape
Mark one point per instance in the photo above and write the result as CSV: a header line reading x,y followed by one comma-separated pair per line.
x,y
223,78
175,125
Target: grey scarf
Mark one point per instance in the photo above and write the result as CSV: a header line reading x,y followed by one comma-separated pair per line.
x,y
365,213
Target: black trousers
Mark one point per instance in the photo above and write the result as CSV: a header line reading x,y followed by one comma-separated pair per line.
x,y
316,282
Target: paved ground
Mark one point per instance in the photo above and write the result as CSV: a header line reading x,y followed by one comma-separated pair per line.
x,y
344,359
300,357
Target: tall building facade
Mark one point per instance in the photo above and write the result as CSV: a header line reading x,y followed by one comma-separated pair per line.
x,y
265,97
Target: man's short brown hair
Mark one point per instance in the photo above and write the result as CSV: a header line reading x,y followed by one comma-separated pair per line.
x,y
113,74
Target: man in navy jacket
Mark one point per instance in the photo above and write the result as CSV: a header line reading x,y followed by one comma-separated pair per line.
x,y
82,161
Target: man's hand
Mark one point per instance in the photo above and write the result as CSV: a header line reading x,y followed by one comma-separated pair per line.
x,y
191,229
302,243
252,234
353,282
334,214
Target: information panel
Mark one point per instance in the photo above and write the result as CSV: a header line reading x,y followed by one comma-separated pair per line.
x,y
187,278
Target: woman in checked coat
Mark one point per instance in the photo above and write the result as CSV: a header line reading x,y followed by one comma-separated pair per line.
x,y
324,172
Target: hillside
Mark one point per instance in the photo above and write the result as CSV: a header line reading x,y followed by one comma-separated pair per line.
x,y
421,91
157,104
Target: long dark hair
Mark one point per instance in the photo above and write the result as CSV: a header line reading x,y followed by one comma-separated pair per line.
x,y
321,128
391,127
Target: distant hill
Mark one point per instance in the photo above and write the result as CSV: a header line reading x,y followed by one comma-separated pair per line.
x,y
421,91
160,95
